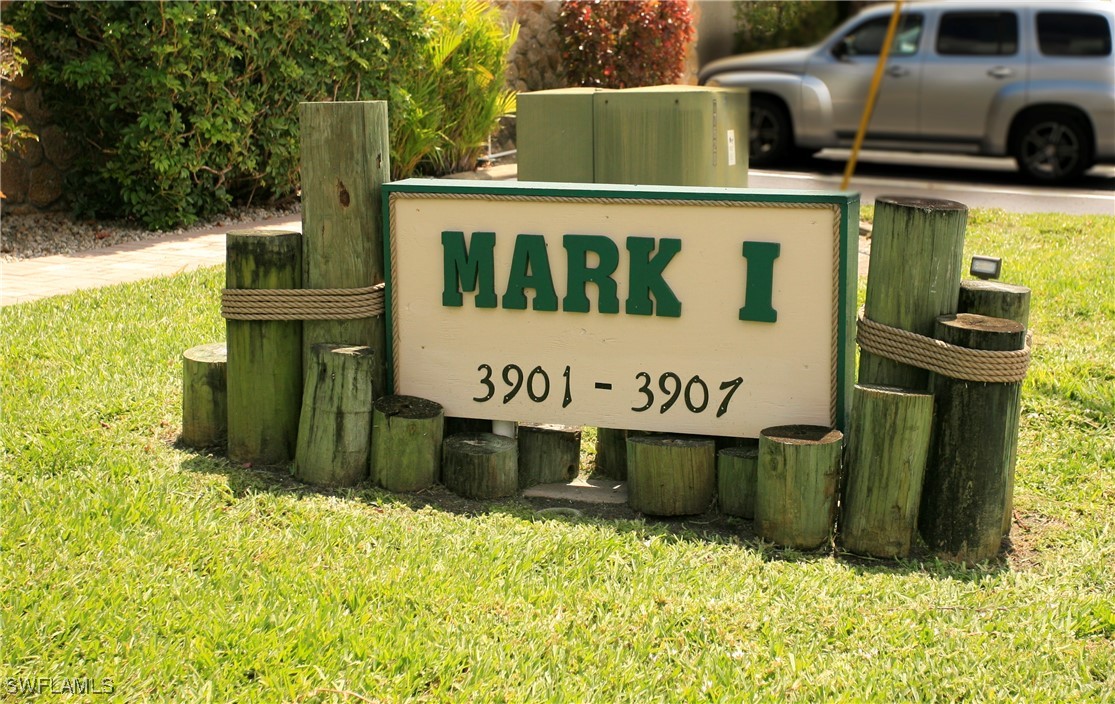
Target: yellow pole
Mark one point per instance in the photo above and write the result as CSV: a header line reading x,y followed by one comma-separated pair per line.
x,y
872,94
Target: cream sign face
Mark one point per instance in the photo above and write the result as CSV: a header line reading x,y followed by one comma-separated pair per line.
x,y
704,311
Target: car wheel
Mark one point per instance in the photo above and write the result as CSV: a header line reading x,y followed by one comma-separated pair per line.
x,y
1053,147
771,138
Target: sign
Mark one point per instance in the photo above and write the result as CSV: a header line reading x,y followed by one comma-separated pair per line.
x,y
689,310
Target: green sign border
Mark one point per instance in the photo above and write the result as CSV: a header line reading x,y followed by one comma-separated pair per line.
x,y
847,204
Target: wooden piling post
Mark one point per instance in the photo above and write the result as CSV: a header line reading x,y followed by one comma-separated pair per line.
x,y
548,453
264,356
736,478
966,478
480,465
205,396
345,160
795,500
887,451
670,475
335,430
407,434
999,300
914,276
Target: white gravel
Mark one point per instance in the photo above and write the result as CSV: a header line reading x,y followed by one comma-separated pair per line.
x,y
40,235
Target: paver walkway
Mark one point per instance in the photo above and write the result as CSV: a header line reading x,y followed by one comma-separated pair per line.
x,y
32,279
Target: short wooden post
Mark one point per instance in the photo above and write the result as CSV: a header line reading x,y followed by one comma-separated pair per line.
x,y
345,160
736,476
887,449
264,356
999,300
913,277
480,465
795,500
669,475
204,396
611,453
966,477
548,454
335,431
406,442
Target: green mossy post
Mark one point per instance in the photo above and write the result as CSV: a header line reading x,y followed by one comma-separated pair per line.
x,y
335,431
480,465
345,160
795,499
914,276
669,475
611,453
264,356
736,479
548,454
887,450
406,442
205,396
976,431
999,300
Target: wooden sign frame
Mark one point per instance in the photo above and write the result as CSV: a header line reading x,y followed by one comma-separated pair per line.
x,y
573,303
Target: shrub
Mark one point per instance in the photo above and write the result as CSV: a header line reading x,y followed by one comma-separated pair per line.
x,y
776,25
181,108
12,132
624,44
447,108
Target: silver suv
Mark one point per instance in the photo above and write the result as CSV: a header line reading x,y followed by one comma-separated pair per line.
x,y
1032,80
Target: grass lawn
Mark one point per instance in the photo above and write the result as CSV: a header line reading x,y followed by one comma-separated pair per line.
x,y
163,574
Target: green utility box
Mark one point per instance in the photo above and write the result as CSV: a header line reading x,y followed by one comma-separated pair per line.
x,y
666,135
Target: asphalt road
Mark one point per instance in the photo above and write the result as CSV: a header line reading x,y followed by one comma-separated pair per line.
x,y
976,182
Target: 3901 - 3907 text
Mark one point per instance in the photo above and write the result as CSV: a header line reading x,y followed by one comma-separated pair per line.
x,y
694,393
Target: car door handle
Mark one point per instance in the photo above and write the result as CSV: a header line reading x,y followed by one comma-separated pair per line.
x,y
898,71
1000,72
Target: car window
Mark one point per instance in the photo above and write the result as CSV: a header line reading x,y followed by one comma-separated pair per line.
x,y
978,34
867,38
1073,34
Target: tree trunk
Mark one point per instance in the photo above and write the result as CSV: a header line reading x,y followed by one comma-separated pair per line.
x,y
480,465
917,247
736,478
976,431
345,160
335,431
406,442
548,454
670,475
795,500
205,396
887,450
999,300
264,356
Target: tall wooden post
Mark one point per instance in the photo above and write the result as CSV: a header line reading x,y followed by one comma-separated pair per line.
x,y
345,160
917,247
962,502
264,356
999,300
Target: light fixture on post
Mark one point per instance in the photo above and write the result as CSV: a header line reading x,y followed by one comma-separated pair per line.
x,y
986,267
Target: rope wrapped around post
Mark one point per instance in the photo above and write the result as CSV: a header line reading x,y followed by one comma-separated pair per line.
x,y
941,357
303,304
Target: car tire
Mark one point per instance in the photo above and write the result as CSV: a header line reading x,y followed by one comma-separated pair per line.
x,y
771,137
1053,147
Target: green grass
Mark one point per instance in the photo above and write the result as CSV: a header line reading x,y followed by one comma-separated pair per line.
x,y
181,577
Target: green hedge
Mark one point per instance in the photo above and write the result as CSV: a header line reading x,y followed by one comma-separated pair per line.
x,y
180,109
763,25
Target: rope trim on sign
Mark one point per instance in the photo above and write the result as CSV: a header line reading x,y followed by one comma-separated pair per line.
x,y
941,357
302,303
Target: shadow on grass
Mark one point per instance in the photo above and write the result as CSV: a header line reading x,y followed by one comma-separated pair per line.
x,y
710,527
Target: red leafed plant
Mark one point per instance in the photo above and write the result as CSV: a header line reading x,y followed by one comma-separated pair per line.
x,y
610,44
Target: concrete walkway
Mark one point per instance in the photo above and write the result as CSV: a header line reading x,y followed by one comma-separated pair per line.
x,y
31,279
